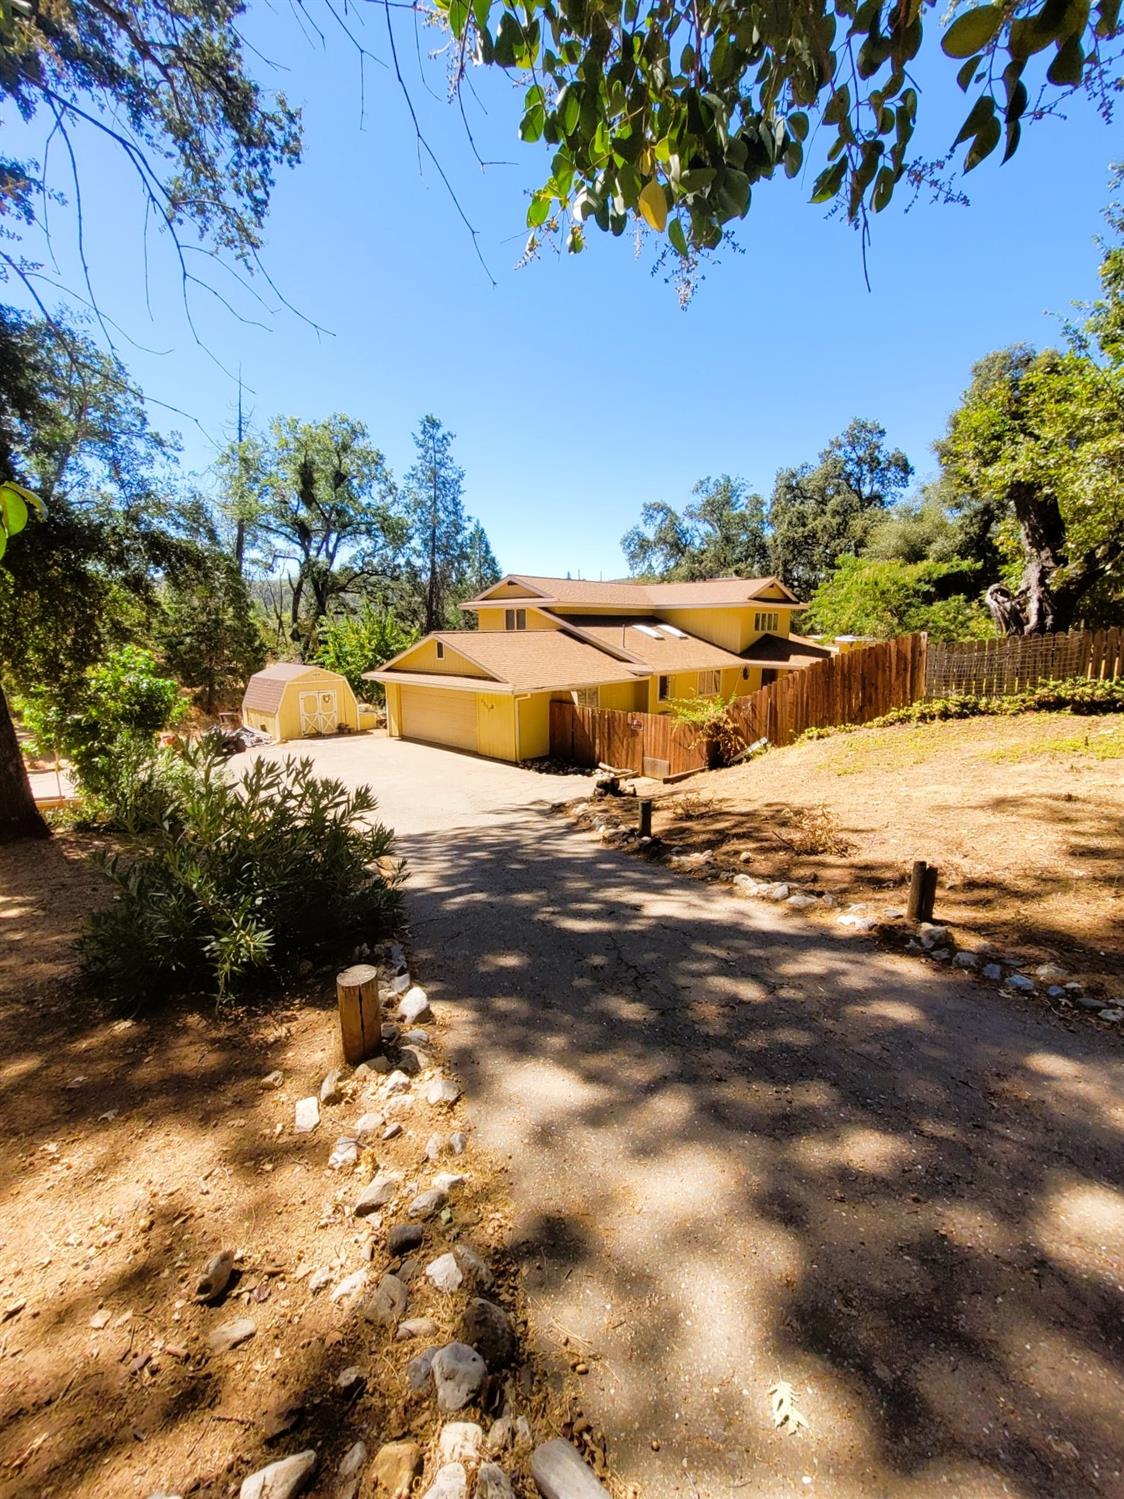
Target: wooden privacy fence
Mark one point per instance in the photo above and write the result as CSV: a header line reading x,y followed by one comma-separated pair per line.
x,y
994,668
851,688
649,743
840,689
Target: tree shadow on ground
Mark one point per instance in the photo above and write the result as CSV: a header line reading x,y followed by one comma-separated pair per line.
x,y
134,1146
1046,908
747,1148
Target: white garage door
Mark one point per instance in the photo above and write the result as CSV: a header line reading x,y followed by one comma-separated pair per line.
x,y
439,716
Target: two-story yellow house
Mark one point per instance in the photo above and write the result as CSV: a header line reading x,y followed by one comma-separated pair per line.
x,y
635,646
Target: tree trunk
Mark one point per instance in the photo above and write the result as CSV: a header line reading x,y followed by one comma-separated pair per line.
x,y
19,816
1052,585
431,591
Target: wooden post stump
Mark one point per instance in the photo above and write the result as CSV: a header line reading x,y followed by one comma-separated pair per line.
x,y
929,895
916,891
922,891
646,817
357,994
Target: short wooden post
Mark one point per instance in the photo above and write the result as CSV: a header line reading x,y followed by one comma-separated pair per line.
x,y
645,817
917,892
929,894
922,891
357,994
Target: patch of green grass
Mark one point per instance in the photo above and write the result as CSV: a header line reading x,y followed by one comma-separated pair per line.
x,y
885,749
1094,744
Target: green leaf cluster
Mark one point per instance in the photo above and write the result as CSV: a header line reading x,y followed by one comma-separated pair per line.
x,y
885,598
669,114
353,644
107,724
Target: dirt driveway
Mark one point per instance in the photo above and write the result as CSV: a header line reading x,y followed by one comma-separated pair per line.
x,y
748,1151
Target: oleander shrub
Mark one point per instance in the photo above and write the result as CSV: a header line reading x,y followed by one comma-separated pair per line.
x,y
225,884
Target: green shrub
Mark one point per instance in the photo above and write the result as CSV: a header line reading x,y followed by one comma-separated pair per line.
x,y
716,733
220,883
105,726
1085,695
354,643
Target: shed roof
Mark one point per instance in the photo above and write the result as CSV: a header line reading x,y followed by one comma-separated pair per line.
x,y
266,688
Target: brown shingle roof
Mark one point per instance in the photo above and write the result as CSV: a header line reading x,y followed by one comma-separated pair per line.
x,y
529,660
681,652
445,679
782,650
640,595
266,688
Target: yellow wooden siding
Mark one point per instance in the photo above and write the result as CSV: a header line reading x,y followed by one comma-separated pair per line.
x,y
720,626
534,726
439,715
495,726
423,657
733,629
508,588
736,681
496,619
264,723
629,697
393,710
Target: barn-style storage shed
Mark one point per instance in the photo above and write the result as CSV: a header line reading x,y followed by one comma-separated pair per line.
x,y
294,701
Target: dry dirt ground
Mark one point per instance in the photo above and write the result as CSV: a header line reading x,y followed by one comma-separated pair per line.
x,y
134,1146
1023,816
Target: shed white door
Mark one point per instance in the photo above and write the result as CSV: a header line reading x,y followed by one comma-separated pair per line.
x,y
439,715
319,712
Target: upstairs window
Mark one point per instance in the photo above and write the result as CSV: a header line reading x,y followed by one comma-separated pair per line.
x,y
663,690
515,619
708,683
440,650
769,620
587,697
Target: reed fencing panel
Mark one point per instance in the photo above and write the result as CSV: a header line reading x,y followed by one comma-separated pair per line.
x,y
997,668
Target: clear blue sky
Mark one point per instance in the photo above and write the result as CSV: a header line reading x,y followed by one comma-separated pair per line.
x,y
577,387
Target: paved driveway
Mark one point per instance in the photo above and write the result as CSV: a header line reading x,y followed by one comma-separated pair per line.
x,y
747,1149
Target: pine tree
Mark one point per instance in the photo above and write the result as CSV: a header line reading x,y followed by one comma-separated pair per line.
x,y
439,528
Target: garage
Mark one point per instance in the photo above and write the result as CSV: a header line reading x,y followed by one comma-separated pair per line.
x,y
439,716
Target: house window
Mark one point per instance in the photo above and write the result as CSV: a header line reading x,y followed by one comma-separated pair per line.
x,y
769,620
440,650
708,683
663,691
587,697
515,619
